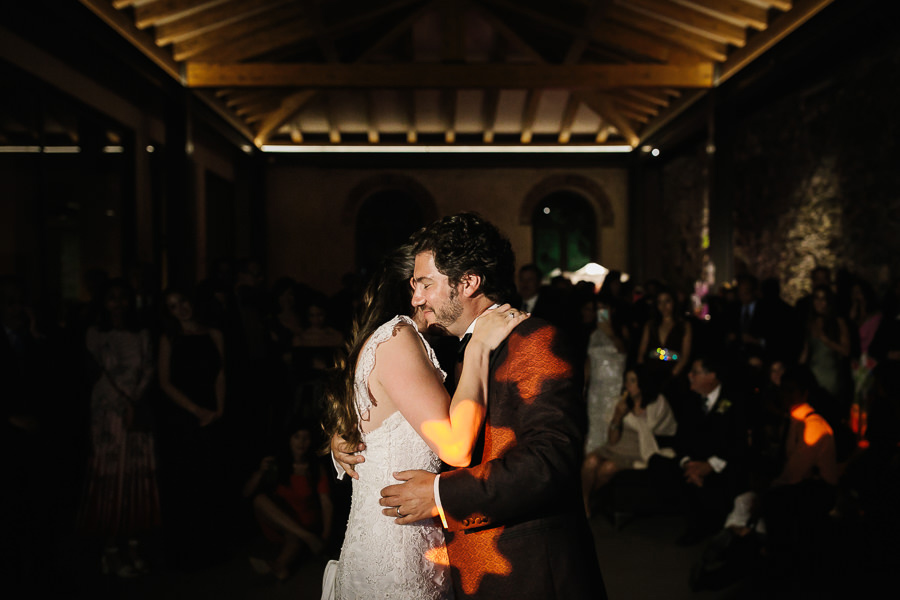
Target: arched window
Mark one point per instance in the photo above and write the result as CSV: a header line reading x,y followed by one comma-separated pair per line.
x,y
384,221
565,232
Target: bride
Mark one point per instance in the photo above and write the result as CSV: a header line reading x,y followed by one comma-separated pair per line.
x,y
391,399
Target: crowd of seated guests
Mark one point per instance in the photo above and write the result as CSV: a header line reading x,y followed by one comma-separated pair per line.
x,y
787,415
693,412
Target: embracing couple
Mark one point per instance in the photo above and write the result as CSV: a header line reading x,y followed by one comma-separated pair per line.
x,y
508,522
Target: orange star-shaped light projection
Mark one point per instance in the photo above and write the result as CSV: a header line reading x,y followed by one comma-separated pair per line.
x,y
534,365
438,556
487,560
497,440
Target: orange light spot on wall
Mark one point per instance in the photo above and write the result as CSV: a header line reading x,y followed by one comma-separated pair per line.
x,y
438,556
534,366
490,561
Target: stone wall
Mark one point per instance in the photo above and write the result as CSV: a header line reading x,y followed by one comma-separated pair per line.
x,y
817,179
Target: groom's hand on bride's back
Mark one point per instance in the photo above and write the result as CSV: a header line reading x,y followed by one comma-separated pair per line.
x,y
411,500
344,454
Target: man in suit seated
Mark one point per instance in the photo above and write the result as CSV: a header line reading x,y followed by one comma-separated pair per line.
x,y
709,469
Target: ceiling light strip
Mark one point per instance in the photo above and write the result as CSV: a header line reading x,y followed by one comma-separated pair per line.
x,y
529,149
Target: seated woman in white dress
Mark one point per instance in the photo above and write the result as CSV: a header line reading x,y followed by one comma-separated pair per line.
x,y
638,420
391,400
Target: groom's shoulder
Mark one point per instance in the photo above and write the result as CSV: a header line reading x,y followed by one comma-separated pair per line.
x,y
535,332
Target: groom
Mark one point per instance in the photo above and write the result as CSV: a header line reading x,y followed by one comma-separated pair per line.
x,y
515,524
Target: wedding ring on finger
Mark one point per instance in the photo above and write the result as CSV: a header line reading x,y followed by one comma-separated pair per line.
x,y
511,314
399,514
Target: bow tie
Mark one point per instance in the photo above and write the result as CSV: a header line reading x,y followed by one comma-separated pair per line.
x,y
461,351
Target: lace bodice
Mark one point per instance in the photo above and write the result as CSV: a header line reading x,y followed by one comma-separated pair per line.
x,y
379,558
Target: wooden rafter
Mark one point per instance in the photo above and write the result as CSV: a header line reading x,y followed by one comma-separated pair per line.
x,y
162,11
294,103
212,18
568,119
784,24
142,41
260,42
703,46
647,96
222,36
735,12
509,76
602,105
529,114
371,120
643,44
689,20
491,102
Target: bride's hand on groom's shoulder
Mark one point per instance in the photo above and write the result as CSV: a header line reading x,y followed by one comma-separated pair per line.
x,y
345,455
492,327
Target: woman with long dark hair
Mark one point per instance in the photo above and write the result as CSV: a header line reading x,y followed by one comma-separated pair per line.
x,y
665,346
192,378
391,398
291,498
641,417
826,352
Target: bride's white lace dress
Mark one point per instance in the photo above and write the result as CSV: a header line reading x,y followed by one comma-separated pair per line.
x,y
380,559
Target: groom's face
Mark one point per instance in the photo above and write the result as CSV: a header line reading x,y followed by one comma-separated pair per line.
x,y
432,294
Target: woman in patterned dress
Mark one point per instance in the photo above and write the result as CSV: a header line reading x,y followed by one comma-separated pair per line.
x,y
120,499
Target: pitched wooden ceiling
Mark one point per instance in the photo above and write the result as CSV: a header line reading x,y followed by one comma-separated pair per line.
x,y
523,72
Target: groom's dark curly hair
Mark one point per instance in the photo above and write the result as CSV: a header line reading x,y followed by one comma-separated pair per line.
x,y
466,244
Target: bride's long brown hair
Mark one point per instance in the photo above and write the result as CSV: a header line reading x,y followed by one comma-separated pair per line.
x,y
387,295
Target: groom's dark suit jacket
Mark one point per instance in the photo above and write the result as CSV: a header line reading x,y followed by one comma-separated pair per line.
x,y
516,524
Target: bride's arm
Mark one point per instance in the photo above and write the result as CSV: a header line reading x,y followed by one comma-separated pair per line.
x,y
404,373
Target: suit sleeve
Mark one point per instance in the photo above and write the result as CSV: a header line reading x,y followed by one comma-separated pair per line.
x,y
533,440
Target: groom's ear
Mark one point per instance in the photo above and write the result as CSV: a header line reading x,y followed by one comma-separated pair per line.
x,y
470,285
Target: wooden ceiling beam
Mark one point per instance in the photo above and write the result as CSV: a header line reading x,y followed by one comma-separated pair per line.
x,y
223,36
210,19
688,20
529,114
781,27
124,26
334,132
508,34
666,31
412,133
294,103
641,43
491,102
289,107
782,5
260,42
219,107
603,106
473,76
241,96
323,37
568,119
736,12
647,96
164,11
636,106
371,120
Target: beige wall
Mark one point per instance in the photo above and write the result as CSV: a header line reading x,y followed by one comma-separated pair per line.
x,y
311,239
